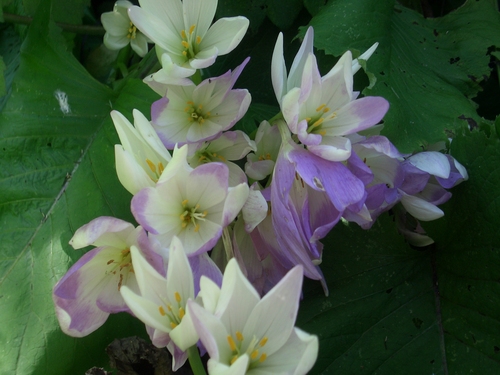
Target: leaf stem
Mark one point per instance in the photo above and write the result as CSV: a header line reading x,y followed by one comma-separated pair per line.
x,y
195,361
77,29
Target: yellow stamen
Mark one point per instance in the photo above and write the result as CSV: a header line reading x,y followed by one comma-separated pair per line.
x,y
151,165
320,107
120,282
125,252
162,311
177,297
197,227
233,359
231,343
262,357
326,109
322,132
190,102
160,168
184,202
183,34
254,354
191,29
173,325
239,336
169,307
198,39
181,312
263,341
110,261
184,53
185,44
318,122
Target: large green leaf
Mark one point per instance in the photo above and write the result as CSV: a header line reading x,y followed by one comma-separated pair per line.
x,y
393,309
56,173
428,69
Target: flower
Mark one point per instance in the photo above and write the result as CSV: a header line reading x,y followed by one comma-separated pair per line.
x,y
243,333
190,114
89,291
120,31
192,204
260,164
161,302
141,158
182,29
321,110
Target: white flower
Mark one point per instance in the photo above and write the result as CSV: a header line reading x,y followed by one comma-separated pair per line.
x,y
141,157
182,29
120,31
243,333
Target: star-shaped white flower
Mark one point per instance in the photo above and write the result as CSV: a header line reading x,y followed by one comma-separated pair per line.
x,y
182,29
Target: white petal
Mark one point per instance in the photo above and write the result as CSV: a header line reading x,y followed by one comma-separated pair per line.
x,y
236,198
225,34
432,162
421,209
131,175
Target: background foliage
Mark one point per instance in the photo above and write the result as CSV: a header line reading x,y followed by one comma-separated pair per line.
x,y
392,308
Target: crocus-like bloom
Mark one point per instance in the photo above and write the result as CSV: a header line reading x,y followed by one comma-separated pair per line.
x,y
260,164
89,291
161,302
321,110
182,29
193,204
190,114
244,334
141,157
231,145
120,31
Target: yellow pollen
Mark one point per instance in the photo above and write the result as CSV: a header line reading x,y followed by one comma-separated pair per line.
x,y
181,312
205,213
308,119
190,102
200,107
197,227
263,341
254,354
201,120
231,343
151,165
233,359
183,34
191,29
160,168
207,114
318,122
185,44
184,202
326,109
320,107
239,336
198,39
173,325
125,252
333,115
184,225
120,282
162,311
110,261
177,297
184,53
202,157
322,132
169,307
262,357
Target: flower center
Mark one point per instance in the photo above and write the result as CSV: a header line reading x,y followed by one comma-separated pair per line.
x,y
190,215
121,267
206,156
190,42
315,122
131,31
195,113
173,313
254,349
156,171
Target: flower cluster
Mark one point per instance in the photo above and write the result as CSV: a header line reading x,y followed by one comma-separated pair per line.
x,y
220,252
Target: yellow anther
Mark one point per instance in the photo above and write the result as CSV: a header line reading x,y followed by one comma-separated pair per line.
x,y
151,165
198,39
207,114
202,157
120,282
201,120
231,343
129,36
308,119
233,359
184,225
190,102
254,354
184,53
263,341
183,34
197,227
162,311
197,206
333,115
173,325
125,252
110,261
160,168
200,107
239,336
177,297
320,107
181,313
262,357
205,213
185,44
191,29
318,122
169,307
326,109
184,202
187,109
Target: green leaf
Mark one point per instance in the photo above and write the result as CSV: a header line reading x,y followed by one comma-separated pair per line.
x,y
56,173
430,311
10,45
283,16
428,69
